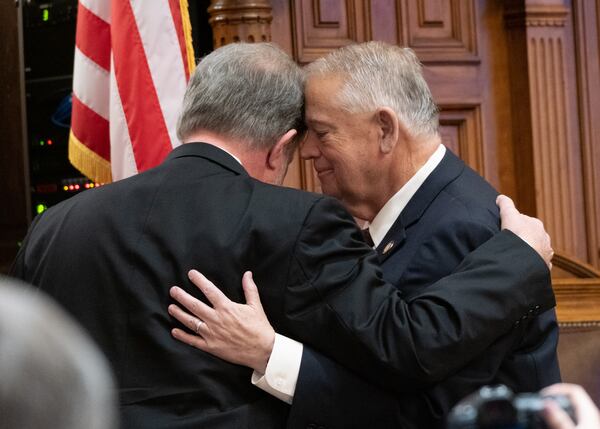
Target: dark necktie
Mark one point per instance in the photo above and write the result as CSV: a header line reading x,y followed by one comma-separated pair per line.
x,y
367,237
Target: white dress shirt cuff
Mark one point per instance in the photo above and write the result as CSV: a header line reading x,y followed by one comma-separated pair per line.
x,y
282,371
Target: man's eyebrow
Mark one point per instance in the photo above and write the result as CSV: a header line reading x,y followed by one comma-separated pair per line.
x,y
313,121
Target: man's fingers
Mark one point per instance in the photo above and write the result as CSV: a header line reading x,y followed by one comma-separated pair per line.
x,y
505,202
585,408
212,293
191,340
507,207
250,290
193,323
555,417
195,306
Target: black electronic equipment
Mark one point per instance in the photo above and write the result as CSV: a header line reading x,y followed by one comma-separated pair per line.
x,y
49,42
497,407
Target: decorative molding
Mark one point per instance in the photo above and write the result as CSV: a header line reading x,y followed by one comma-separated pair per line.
x,y
460,127
577,300
440,31
315,36
536,15
579,325
240,20
320,8
574,268
558,188
431,13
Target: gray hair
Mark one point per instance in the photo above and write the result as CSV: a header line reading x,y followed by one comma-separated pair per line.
x,y
52,375
247,91
378,74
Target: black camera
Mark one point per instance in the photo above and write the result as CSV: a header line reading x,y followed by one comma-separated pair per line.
x,y
497,407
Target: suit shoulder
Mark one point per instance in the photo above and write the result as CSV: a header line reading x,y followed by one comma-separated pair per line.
x,y
281,196
473,197
473,188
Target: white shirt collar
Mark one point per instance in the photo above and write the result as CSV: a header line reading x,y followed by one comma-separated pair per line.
x,y
388,214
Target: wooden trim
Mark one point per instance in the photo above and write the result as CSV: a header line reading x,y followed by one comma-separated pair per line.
x,y
236,20
537,15
573,266
577,301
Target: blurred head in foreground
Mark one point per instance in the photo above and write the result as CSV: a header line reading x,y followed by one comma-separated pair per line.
x,y
52,374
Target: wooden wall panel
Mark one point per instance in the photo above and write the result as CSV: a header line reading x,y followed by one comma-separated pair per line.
x,y
385,16
320,26
440,30
460,128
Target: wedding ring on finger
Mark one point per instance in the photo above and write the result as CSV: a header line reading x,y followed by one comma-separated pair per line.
x,y
198,324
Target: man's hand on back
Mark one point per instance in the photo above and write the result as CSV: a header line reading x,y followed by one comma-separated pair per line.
x,y
529,229
237,333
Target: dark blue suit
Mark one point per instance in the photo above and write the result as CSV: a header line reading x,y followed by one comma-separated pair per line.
x,y
451,214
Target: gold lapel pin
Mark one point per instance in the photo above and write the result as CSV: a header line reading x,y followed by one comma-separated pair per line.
x,y
388,247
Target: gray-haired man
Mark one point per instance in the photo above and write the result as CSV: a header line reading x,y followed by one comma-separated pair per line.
x,y
373,136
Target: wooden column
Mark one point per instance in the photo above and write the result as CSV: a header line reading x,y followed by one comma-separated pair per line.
x,y
14,172
240,21
544,112
586,18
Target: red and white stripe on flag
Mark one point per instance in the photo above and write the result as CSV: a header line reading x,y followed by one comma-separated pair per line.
x,y
133,59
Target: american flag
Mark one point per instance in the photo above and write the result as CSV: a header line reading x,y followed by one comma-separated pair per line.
x,y
133,59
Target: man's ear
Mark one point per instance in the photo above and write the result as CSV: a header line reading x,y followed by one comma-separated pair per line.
x,y
390,128
279,152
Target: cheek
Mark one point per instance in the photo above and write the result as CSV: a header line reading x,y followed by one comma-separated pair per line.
x,y
329,186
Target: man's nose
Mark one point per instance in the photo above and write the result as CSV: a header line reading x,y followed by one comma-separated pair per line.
x,y
310,148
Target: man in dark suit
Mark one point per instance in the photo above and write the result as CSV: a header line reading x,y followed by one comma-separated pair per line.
x,y
373,136
108,255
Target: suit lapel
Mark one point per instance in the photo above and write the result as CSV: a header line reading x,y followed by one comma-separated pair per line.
x,y
448,169
393,240
210,153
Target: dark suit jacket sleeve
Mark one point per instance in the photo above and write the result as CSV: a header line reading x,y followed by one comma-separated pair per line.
x,y
329,396
322,381
18,268
335,283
